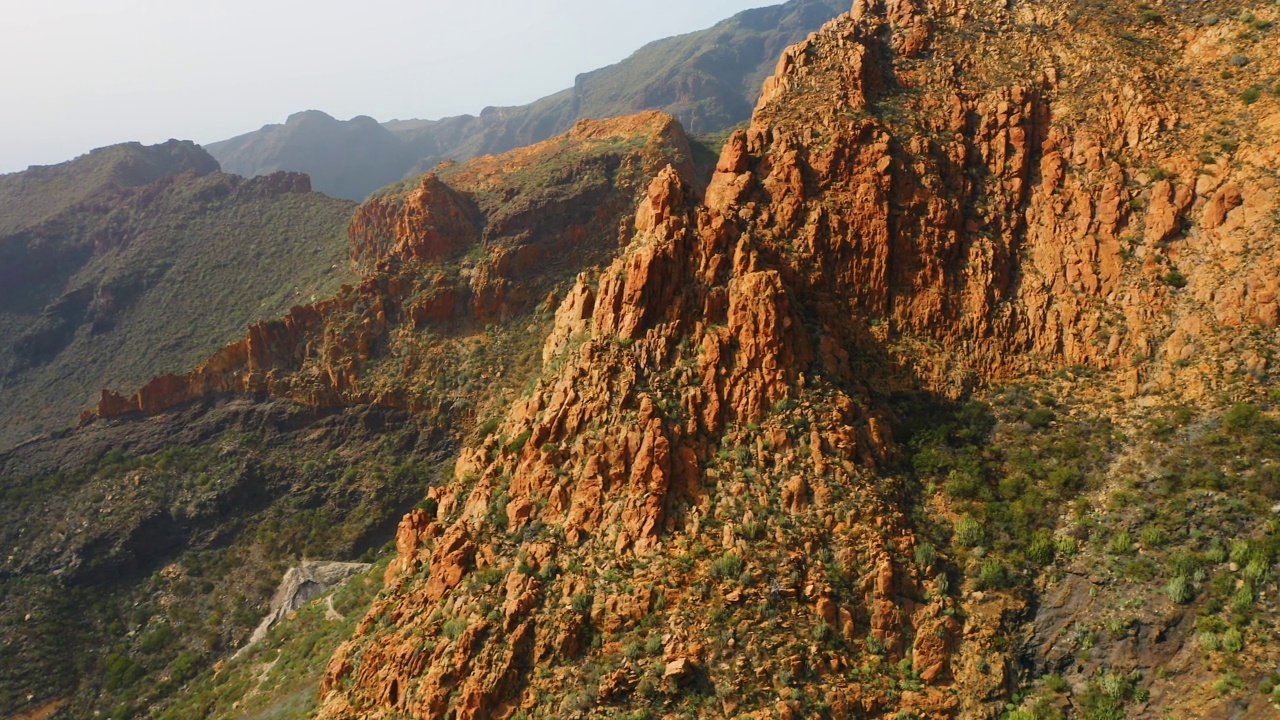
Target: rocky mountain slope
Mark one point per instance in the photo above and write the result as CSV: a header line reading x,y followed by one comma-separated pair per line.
x,y
701,507
132,261
947,394
708,79
175,529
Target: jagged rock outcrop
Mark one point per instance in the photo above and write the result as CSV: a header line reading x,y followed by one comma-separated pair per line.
x,y
429,223
688,493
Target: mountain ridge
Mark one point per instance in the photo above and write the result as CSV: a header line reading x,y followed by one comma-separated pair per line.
x,y
114,166
120,263
708,79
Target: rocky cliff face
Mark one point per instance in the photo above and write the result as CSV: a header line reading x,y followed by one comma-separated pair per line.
x,y
695,507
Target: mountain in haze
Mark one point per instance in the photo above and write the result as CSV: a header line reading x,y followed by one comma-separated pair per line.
x,y
345,159
131,261
42,192
709,80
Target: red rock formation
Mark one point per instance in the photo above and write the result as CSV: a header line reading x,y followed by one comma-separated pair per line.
x,y
430,223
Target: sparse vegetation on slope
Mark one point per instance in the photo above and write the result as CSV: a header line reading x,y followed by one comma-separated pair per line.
x,y
144,261
135,572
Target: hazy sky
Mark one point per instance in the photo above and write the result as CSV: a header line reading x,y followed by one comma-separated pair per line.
x,y
80,74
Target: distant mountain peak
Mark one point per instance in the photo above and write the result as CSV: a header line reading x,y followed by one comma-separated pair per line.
x,y
708,79
309,116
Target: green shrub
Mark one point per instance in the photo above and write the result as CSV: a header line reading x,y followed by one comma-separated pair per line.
x,y
962,485
1242,419
1140,569
727,566
1098,702
1250,96
993,575
1174,279
120,672
751,530
1184,562
1114,684
1179,590
1209,641
581,603
968,532
491,575
653,645
925,555
498,512
489,427
1242,551
1152,536
1233,640
1041,549
1216,553
1121,543
1040,418
1227,683
453,628
184,667
517,444
1255,571
1243,598
874,645
157,639
1065,545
